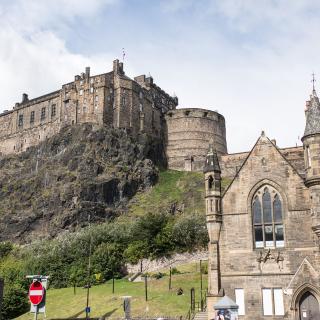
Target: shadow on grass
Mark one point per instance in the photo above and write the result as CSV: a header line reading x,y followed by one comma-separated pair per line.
x,y
108,314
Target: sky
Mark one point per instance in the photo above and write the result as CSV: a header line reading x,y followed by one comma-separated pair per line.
x,y
251,60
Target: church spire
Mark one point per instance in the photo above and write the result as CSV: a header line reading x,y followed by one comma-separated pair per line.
x,y
312,112
212,162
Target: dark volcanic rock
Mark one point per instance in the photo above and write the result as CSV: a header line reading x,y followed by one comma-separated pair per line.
x,y
79,172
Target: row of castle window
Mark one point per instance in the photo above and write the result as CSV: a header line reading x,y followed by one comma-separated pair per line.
x,y
272,301
42,115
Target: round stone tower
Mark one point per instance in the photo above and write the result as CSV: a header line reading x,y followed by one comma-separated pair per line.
x,y
189,132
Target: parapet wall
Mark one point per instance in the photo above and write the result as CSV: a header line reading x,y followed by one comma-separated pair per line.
x,y
189,133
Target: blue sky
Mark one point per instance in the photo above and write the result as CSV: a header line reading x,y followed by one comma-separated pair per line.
x,y
249,59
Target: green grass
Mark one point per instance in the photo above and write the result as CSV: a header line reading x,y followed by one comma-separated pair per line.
x,y
185,189
62,303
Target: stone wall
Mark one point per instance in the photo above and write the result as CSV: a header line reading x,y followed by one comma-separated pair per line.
x,y
189,133
230,164
110,99
252,269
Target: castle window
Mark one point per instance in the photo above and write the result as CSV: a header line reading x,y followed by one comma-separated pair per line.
x,y
32,117
140,107
53,111
123,101
91,90
140,95
267,219
97,98
210,182
20,123
43,113
81,92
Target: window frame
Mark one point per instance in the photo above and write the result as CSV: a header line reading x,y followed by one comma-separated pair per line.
x,y
273,304
32,117
43,114
274,194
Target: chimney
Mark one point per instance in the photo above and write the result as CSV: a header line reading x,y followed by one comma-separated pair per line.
x,y
24,98
87,72
117,67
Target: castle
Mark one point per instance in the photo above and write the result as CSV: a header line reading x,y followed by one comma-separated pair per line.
x,y
264,229
115,100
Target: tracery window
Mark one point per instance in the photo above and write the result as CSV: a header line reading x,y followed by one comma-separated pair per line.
x,y
267,211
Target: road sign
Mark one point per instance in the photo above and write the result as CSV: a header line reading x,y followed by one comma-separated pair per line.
x,y
36,292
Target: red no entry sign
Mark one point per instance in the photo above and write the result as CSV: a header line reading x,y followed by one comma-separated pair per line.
x,y
36,292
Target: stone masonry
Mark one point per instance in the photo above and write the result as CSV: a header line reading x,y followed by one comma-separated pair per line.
x,y
265,228
110,99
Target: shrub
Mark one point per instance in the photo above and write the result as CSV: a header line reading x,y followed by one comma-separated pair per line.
x,y
14,302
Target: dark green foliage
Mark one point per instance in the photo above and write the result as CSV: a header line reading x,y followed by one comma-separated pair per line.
x,y
158,275
108,260
5,249
15,302
174,270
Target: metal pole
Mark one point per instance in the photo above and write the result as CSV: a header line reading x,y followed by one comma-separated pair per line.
x,y
36,313
201,301
146,286
112,283
170,279
89,272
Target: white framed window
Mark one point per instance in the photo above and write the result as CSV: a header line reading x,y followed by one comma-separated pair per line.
x,y
278,302
91,90
272,300
239,293
97,98
81,92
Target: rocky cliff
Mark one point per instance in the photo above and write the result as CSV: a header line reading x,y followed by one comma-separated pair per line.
x,y
79,172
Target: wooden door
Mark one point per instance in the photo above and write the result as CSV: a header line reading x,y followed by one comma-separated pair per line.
x,y
309,307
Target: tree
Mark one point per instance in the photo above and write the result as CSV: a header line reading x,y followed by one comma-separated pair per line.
x,y
108,260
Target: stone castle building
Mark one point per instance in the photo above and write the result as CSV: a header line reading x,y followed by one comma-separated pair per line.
x,y
264,229
111,99
115,100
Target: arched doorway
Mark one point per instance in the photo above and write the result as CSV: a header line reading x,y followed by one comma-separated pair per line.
x,y
309,307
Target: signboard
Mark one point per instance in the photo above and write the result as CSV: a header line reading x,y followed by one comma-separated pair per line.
x,y
36,292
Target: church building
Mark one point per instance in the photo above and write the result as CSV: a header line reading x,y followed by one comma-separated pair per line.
x,y
264,229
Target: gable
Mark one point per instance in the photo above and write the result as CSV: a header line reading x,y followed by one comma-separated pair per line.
x,y
265,164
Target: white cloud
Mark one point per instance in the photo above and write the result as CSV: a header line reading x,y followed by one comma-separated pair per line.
x,y
33,54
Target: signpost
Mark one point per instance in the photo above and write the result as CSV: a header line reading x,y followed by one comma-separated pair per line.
x,y
1,293
37,294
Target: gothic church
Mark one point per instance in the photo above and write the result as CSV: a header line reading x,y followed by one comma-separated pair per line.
x,y
264,229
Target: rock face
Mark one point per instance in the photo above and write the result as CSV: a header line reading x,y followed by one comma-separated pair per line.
x,y
79,172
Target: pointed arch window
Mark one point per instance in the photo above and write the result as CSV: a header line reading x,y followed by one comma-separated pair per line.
x,y
267,215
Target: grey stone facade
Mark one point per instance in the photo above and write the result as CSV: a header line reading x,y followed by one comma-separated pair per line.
x,y
110,99
264,239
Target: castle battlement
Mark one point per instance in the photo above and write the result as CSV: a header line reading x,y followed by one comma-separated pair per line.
x,y
111,99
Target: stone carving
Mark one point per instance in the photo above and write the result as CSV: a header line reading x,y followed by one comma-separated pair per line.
x,y
265,256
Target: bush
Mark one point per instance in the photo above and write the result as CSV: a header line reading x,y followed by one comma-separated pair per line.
x,y
5,249
15,302
158,275
174,270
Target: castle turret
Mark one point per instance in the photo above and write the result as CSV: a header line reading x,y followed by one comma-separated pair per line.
x,y
311,145
212,174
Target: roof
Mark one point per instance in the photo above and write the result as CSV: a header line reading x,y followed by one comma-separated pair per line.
x,y
312,115
226,303
212,162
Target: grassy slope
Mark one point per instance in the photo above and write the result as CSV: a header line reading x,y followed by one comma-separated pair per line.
x,y
62,303
182,188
